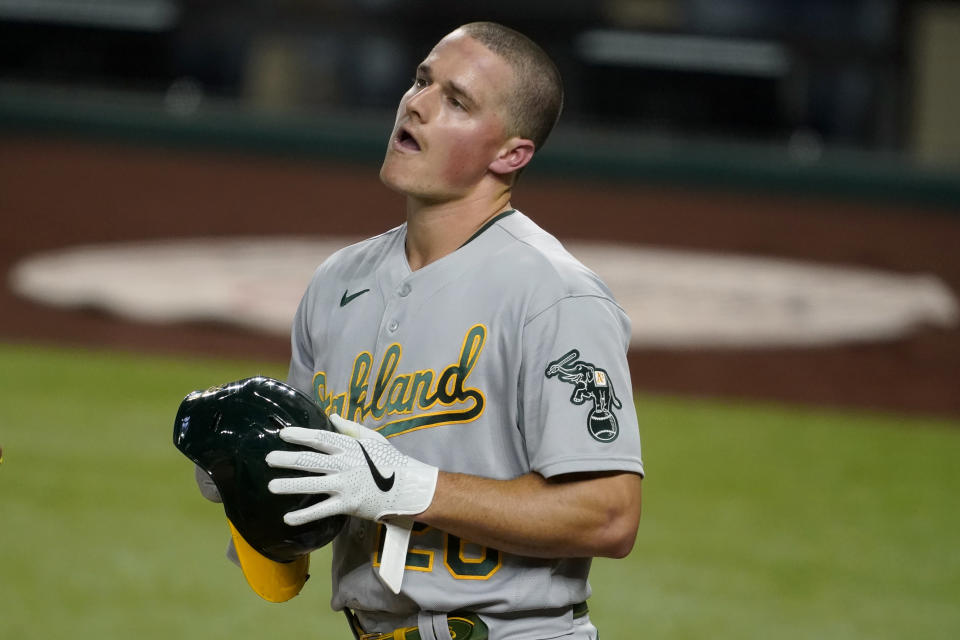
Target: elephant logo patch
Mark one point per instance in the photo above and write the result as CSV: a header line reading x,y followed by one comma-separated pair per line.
x,y
589,383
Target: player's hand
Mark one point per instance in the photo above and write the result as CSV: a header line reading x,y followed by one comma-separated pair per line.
x,y
361,472
205,483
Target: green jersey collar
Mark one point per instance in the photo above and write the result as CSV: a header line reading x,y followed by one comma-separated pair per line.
x,y
486,226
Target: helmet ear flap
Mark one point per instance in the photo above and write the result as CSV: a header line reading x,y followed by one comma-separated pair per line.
x,y
227,431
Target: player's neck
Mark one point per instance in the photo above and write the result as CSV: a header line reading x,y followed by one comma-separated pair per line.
x,y
435,230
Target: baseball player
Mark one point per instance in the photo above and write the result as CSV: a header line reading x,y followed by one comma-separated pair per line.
x,y
468,363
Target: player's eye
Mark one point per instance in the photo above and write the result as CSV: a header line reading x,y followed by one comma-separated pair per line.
x,y
419,82
456,104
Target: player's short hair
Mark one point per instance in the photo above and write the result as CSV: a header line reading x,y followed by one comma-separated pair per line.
x,y
535,103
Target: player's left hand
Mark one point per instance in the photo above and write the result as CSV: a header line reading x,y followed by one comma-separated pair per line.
x,y
361,472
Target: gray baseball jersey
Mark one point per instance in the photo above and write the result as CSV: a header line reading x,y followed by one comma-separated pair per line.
x,y
505,357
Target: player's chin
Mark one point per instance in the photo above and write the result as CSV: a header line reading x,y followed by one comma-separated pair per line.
x,y
389,178
395,176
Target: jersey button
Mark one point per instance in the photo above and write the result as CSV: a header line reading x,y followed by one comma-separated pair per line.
x,y
393,326
404,290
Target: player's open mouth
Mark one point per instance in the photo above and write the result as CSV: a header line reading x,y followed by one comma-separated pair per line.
x,y
407,141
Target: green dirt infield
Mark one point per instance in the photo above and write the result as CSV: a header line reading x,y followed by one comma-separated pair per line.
x,y
760,521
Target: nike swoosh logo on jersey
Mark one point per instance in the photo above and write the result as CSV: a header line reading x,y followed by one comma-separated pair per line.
x,y
383,483
347,299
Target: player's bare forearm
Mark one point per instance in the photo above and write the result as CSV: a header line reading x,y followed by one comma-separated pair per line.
x,y
574,516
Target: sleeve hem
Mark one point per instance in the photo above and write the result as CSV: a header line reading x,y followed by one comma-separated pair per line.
x,y
589,465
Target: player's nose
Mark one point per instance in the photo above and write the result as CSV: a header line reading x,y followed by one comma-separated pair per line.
x,y
420,104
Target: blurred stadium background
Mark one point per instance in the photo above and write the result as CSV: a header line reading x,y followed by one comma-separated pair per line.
x,y
794,492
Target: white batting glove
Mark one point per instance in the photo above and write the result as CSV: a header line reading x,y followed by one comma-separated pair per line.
x,y
363,474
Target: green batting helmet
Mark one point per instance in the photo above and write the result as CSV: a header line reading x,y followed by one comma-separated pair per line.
x,y
227,431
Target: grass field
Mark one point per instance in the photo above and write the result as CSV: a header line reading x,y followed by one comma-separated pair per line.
x,y
759,521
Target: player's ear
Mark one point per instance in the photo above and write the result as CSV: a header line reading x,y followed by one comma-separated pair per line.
x,y
514,155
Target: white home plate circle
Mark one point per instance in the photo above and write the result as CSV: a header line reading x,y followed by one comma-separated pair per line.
x,y
675,299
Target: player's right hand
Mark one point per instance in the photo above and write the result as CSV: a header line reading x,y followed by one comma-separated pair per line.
x,y
361,472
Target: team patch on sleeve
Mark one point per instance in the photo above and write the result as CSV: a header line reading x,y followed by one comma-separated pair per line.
x,y
589,383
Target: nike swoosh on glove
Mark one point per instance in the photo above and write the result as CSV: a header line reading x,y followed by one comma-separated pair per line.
x,y
361,472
